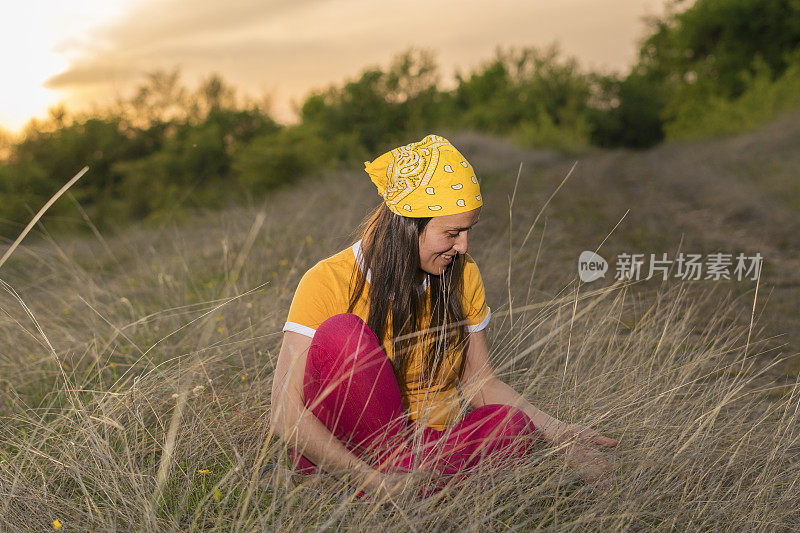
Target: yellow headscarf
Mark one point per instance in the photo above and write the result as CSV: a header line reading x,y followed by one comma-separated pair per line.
x,y
429,178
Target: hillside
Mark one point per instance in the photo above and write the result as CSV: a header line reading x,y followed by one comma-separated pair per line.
x,y
104,335
739,194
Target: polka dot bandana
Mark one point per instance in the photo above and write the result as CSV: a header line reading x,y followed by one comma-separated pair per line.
x,y
429,178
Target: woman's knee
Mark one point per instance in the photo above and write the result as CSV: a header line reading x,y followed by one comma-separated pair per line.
x,y
510,421
338,325
344,344
346,329
494,429
342,335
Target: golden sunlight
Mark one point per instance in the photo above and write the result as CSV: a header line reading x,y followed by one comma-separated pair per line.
x,y
35,41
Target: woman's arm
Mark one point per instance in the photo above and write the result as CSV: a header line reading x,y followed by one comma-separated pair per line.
x,y
297,425
482,387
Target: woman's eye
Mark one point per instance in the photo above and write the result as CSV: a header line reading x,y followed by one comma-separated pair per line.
x,y
452,235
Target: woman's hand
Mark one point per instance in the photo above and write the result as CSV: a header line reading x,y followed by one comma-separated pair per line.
x,y
582,455
590,464
576,433
393,484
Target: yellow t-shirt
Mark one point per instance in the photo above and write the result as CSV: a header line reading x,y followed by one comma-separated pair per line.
x,y
324,291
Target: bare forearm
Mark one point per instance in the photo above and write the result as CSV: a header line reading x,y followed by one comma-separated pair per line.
x,y
299,428
494,391
482,387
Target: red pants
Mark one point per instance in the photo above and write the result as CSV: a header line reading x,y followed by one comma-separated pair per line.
x,y
349,385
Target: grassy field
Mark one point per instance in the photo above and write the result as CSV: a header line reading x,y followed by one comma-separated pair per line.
x,y
136,367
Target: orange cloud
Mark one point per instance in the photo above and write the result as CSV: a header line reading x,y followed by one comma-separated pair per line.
x,y
288,47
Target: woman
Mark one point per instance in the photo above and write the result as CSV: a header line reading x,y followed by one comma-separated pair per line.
x,y
379,334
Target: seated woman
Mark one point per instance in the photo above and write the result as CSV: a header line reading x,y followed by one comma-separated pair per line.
x,y
378,335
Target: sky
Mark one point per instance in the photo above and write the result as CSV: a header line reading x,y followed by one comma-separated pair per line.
x,y
86,52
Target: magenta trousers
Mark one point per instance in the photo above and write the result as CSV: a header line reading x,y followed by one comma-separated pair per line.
x,y
350,386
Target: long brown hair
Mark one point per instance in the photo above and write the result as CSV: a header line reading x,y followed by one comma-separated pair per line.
x,y
390,248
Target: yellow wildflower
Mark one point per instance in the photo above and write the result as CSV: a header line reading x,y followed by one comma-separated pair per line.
x,y
283,262
56,524
309,240
204,471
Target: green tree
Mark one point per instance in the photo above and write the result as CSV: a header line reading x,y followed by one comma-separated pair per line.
x,y
698,56
24,188
533,94
717,41
380,107
278,158
629,111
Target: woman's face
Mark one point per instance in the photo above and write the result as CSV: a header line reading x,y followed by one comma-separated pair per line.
x,y
443,238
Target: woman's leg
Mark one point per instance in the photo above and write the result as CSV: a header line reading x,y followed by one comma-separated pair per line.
x,y
497,432
350,386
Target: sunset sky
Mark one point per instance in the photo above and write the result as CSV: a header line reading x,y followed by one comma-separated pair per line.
x,y
87,51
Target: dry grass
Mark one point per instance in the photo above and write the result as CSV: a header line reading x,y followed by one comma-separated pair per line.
x,y
135,378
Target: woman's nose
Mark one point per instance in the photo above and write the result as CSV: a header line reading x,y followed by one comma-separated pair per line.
x,y
460,245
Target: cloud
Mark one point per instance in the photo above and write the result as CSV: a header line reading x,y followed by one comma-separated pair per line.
x,y
155,23
292,46
154,35
91,73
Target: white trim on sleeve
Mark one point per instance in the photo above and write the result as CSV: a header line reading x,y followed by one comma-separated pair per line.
x,y
483,324
299,328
